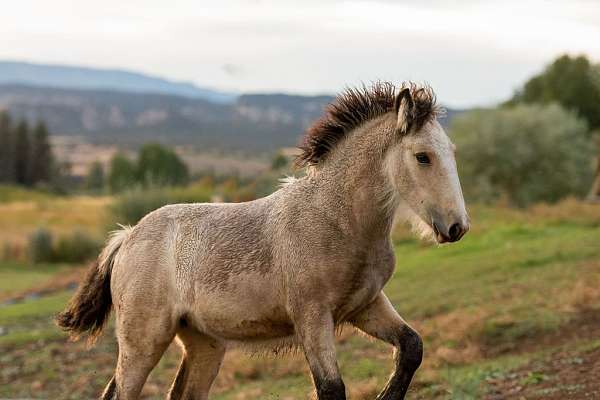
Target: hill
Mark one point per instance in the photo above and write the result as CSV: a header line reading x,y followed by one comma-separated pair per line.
x,y
129,108
74,77
252,123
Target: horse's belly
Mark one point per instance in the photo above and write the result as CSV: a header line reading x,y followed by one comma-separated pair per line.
x,y
248,309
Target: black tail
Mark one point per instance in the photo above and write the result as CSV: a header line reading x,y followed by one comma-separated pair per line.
x,y
89,308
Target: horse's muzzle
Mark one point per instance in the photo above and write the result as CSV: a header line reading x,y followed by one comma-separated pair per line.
x,y
448,235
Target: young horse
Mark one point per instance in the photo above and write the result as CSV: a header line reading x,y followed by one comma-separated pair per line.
x,y
287,269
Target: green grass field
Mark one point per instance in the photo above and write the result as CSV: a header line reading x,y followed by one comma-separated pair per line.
x,y
495,302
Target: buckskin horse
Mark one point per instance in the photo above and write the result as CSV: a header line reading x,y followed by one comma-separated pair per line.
x,y
285,270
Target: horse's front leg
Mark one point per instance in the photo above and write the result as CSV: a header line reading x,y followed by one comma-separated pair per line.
x,y
316,333
381,321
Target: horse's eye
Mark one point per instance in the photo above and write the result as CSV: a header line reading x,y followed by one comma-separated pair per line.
x,y
423,158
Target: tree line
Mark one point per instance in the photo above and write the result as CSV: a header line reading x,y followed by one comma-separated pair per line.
x,y
25,153
154,166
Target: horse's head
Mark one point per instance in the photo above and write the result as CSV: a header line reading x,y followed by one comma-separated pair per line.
x,y
422,169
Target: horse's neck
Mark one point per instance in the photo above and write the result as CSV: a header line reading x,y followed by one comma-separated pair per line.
x,y
353,189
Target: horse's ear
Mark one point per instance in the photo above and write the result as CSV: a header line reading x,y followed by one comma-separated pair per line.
x,y
403,105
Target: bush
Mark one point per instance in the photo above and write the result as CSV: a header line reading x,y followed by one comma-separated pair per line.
x,y
75,248
39,247
121,174
132,206
160,166
524,154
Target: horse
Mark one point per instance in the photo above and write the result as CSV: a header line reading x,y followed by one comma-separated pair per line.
x,y
286,270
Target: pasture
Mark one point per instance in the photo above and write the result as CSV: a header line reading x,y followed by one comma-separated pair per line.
x,y
511,311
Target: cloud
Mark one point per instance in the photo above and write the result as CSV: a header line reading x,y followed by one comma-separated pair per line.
x,y
473,52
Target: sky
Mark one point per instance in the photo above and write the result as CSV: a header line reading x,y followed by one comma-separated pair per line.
x,y
473,53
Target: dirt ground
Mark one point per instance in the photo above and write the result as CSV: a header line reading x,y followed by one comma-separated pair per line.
x,y
562,375
565,373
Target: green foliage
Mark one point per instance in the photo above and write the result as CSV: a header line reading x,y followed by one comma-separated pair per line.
x,y
22,154
524,154
160,166
122,173
573,82
75,248
25,157
157,166
39,248
13,193
280,161
95,177
7,160
41,165
132,205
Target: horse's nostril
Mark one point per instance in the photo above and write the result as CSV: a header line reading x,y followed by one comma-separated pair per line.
x,y
455,231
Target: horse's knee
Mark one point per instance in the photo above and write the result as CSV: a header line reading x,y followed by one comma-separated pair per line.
x,y
328,389
411,348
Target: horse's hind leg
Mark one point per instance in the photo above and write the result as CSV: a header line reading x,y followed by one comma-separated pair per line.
x,y
202,357
143,337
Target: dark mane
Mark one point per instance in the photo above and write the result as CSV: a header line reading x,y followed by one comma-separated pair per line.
x,y
354,107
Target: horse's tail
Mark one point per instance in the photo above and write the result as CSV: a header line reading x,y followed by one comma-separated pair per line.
x,y
89,307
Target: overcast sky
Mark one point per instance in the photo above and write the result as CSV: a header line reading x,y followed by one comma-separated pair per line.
x,y
472,52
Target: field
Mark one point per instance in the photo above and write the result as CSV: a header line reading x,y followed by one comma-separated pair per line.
x,y
511,311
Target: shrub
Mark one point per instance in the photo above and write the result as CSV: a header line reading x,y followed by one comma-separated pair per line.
x,y
75,248
131,206
524,154
160,166
39,247
121,174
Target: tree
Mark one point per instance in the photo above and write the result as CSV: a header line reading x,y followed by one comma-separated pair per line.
x,y
574,83
279,162
7,160
122,173
160,166
22,154
526,153
95,177
41,155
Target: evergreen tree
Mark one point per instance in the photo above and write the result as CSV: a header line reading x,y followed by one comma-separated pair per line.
x,y
7,159
22,154
41,155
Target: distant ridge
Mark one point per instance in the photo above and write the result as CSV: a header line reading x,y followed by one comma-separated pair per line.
x,y
129,109
72,77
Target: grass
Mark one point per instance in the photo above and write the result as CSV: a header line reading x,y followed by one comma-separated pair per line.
x,y
480,305
11,193
23,210
61,215
17,277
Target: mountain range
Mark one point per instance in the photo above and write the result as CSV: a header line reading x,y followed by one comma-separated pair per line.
x,y
128,108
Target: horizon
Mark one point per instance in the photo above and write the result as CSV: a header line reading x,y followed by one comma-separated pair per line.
x,y
317,48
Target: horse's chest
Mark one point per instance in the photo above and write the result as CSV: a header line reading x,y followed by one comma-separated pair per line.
x,y
363,286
